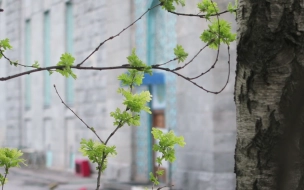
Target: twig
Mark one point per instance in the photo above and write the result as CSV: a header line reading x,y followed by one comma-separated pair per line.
x,y
5,175
157,65
112,37
92,129
178,68
164,187
12,62
195,15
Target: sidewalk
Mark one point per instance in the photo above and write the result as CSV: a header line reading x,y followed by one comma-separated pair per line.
x,y
40,179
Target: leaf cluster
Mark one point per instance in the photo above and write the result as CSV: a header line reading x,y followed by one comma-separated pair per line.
x,y
97,152
136,102
169,4
180,53
125,117
209,7
66,60
9,158
232,8
166,144
134,61
218,31
5,45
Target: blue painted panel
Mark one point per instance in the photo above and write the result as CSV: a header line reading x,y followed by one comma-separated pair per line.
x,y
155,79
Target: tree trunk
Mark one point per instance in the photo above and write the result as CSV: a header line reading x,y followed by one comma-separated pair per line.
x,y
269,95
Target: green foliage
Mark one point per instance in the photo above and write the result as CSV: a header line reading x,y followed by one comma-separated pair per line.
x,y
136,102
166,144
5,44
125,117
219,31
180,53
132,77
231,8
209,7
2,180
134,61
9,158
168,4
153,179
67,61
97,152
36,65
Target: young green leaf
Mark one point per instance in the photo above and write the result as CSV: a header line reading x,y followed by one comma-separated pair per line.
x,y
166,144
66,60
153,179
219,31
134,61
5,44
97,152
209,7
36,65
168,4
180,53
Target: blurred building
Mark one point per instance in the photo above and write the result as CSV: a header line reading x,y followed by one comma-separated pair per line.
x,y
33,117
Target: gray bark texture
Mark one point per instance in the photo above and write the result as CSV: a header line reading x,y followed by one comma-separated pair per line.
x,y
269,95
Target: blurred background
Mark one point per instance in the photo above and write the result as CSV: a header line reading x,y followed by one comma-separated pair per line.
x,y
33,119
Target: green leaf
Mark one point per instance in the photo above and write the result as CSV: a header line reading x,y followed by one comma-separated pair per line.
x,y
160,172
208,7
50,72
5,44
136,102
67,61
218,31
10,157
134,61
180,53
96,152
168,4
36,65
153,179
166,144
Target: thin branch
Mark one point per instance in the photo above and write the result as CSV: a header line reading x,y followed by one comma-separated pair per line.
x,y
92,129
178,68
195,15
12,62
164,187
212,66
157,65
112,37
5,175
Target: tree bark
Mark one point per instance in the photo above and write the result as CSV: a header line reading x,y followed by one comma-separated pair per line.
x,y
269,95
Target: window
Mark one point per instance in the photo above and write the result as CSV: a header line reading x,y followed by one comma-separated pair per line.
x,y
27,57
69,48
47,58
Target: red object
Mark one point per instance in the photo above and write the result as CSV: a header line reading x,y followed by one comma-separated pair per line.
x,y
82,167
83,188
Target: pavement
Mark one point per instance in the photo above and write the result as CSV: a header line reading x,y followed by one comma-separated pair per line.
x,y
44,179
